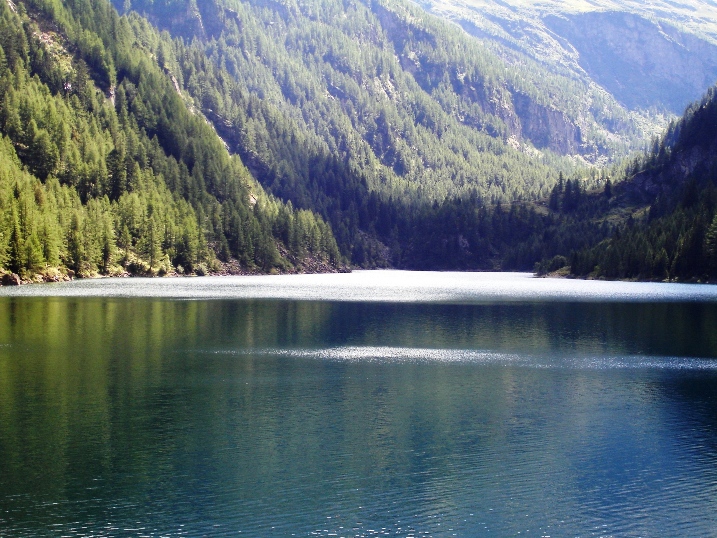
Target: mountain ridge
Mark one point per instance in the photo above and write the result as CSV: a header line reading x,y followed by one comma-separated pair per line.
x,y
620,46
377,115
278,133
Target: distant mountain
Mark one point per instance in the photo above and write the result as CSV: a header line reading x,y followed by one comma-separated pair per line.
x,y
659,55
517,102
404,131
284,136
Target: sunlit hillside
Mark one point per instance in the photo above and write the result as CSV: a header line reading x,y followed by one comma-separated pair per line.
x,y
648,55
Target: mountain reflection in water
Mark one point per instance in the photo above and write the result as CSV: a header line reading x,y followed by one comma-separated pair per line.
x,y
152,416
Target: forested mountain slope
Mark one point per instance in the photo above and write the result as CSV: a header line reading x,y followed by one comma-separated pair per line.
x,y
105,168
671,194
382,118
392,137
658,221
377,50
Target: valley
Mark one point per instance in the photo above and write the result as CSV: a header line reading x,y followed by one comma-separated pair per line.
x,y
319,134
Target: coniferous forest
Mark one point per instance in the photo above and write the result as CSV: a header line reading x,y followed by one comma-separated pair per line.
x,y
201,137
106,169
671,198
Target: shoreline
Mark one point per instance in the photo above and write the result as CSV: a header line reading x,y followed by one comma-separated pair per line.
x,y
54,275
565,275
57,275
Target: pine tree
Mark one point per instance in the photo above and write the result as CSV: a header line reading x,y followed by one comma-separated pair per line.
x,y
16,247
711,246
75,243
33,255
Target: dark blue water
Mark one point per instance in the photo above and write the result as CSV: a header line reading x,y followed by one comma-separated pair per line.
x,y
149,416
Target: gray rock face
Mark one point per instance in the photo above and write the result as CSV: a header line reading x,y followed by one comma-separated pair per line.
x,y
649,56
545,127
642,63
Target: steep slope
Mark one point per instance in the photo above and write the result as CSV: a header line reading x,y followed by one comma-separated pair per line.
x,y
368,41
643,63
378,116
659,222
674,188
106,169
659,55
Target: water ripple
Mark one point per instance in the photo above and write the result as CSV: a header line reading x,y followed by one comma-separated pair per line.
x,y
378,286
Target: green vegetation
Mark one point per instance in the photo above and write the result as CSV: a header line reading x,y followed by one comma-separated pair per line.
x,y
105,169
383,137
673,190
383,120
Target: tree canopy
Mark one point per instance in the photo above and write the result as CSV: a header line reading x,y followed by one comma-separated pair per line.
x,y
106,168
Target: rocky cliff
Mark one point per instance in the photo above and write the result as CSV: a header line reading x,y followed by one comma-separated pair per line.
x,y
643,63
659,56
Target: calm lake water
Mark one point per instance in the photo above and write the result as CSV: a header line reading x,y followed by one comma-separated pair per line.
x,y
369,404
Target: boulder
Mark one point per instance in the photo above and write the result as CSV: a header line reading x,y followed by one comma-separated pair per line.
x,y
11,279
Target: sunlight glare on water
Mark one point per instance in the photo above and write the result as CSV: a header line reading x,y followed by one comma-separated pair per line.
x,y
388,286
423,355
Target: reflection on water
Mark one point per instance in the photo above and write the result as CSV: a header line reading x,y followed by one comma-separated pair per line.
x,y
150,417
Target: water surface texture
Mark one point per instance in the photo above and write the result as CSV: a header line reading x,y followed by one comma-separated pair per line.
x,y
383,286
390,404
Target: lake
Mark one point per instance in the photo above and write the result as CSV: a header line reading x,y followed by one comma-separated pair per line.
x,y
377,403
